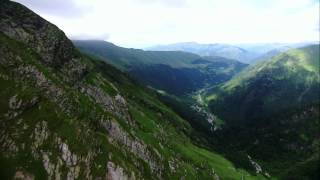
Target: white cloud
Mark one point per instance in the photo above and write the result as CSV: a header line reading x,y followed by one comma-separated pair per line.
x,y
138,23
63,8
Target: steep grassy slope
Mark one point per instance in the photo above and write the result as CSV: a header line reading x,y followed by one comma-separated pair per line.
x,y
65,115
177,75
290,79
174,72
271,111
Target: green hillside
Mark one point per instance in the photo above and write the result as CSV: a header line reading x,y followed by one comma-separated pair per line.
x,y
290,79
175,72
271,111
65,115
124,58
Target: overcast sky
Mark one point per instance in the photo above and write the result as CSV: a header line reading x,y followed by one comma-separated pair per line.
x,y
141,23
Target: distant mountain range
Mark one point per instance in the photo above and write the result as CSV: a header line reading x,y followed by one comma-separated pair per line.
x,y
246,53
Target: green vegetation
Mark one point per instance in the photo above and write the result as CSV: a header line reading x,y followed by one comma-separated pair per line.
x,y
175,72
75,116
271,112
68,115
290,79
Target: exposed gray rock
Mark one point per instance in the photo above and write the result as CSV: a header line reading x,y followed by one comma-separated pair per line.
x,y
51,90
120,100
74,70
57,171
115,105
137,147
69,158
172,165
22,175
73,173
211,118
8,145
17,106
48,166
256,166
117,173
45,38
14,102
41,133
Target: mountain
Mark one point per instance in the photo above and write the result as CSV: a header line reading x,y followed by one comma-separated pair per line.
x,y
175,72
271,111
247,53
267,50
177,76
65,115
125,58
262,48
288,79
221,50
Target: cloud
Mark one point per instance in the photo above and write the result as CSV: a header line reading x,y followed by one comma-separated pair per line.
x,y
141,23
168,3
63,8
84,36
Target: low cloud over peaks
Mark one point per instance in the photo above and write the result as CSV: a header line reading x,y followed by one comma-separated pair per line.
x,y
168,3
85,36
62,8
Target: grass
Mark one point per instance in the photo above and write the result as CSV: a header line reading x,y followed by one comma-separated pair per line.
x,y
266,104
77,123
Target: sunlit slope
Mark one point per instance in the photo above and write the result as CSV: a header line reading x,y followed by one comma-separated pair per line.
x,y
289,79
271,111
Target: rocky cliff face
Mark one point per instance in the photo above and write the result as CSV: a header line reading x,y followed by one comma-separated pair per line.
x,y
45,38
66,116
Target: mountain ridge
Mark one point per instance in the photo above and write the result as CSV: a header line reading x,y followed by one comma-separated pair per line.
x,y
172,71
272,109
217,49
66,115
246,52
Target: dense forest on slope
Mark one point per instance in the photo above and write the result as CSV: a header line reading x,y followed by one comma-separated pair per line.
x,y
288,80
271,111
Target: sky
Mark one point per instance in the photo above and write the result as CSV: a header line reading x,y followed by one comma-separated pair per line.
x,y
143,23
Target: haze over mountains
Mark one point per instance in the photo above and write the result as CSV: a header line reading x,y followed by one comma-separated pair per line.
x,y
246,53
89,109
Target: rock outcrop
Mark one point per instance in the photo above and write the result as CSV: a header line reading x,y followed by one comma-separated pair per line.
x,y
117,173
135,146
43,37
64,115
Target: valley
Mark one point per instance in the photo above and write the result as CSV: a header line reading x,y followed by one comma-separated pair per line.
x,y
212,108
90,109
